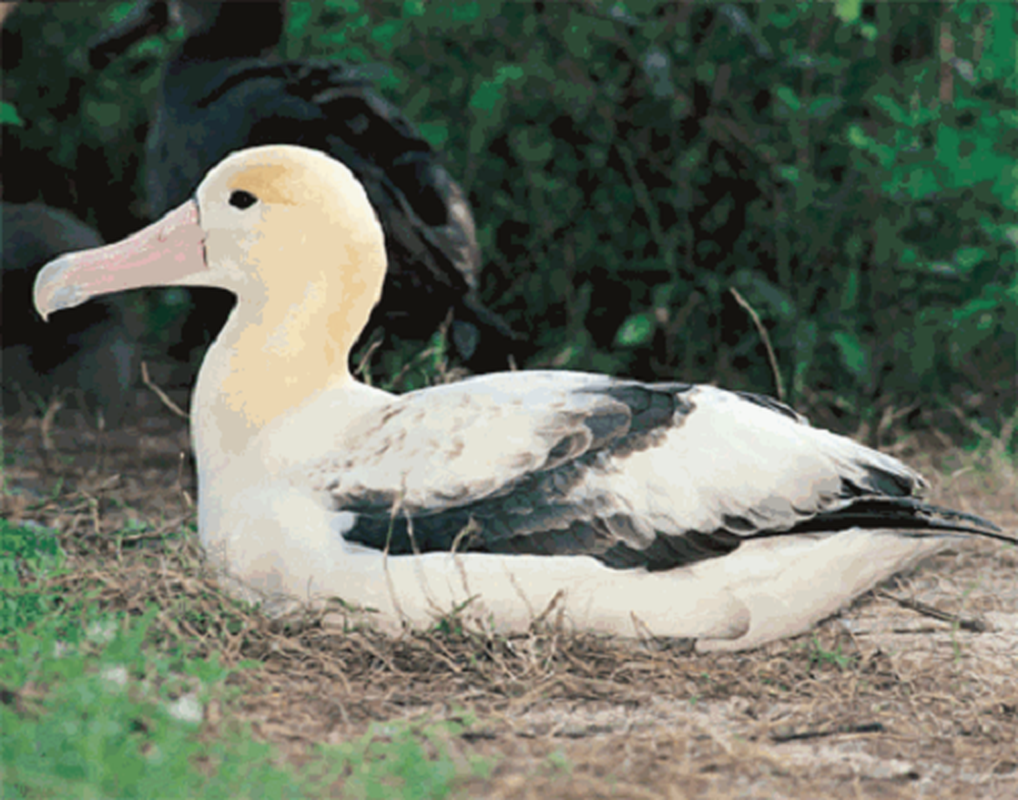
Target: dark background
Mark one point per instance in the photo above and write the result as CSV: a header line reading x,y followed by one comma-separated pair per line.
x,y
849,168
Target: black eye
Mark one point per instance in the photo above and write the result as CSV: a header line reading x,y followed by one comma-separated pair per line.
x,y
242,199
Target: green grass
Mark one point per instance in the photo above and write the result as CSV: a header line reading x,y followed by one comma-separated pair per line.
x,y
99,704
25,552
393,758
819,656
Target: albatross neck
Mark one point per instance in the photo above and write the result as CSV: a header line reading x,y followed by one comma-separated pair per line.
x,y
275,353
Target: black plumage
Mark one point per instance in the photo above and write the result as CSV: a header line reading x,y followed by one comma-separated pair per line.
x,y
225,90
91,353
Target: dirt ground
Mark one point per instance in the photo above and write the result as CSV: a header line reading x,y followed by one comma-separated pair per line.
x,y
882,701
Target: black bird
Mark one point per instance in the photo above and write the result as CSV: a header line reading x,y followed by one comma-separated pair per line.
x,y
92,355
225,90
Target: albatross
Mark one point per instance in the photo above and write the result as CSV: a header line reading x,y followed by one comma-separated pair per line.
x,y
638,509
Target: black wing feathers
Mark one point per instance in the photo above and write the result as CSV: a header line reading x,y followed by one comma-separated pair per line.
x,y
901,513
535,516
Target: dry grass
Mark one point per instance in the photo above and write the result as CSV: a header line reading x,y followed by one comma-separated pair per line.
x,y
878,702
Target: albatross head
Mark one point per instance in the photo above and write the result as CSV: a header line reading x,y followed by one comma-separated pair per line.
x,y
276,223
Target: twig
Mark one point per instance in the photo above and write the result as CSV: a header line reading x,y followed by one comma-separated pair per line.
x,y
428,352
157,533
46,427
100,442
361,371
787,735
975,624
779,386
890,416
946,64
160,393
553,604
666,244
467,531
188,502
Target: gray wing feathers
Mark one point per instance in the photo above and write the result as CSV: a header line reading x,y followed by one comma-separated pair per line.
x,y
439,447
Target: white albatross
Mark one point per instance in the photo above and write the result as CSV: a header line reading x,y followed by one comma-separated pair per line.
x,y
638,509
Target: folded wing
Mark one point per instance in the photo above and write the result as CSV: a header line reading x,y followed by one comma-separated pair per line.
x,y
635,475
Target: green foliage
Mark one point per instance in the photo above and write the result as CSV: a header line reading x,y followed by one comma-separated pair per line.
x,y
856,184
399,760
848,10
26,555
99,704
404,365
78,143
821,657
869,221
9,115
93,708
636,330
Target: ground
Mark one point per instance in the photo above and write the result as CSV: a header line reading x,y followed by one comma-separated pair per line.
x,y
881,701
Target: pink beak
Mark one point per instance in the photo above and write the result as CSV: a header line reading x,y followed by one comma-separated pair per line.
x,y
162,254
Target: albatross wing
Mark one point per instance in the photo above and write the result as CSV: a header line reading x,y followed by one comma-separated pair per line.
x,y
654,476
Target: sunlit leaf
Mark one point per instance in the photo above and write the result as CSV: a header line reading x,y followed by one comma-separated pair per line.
x,y
636,330
787,96
968,257
847,10
857,138
999,58
387,34
853,354
435,133
892,108
9,115
788,172
413,8
465,12
824,106
850,291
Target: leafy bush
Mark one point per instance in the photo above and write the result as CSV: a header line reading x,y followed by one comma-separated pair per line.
x,y
848,168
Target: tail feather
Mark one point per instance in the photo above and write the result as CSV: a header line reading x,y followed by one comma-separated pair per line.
x,y
904,513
